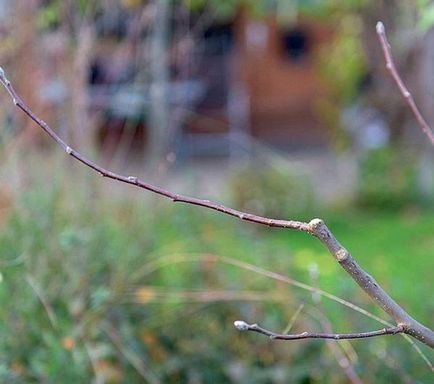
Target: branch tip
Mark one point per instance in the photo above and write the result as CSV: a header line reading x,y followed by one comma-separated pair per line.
x,y
4,80
391,67
380,28
241,325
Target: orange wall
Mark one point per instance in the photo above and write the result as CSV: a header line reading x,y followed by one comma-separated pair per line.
x,y
283,93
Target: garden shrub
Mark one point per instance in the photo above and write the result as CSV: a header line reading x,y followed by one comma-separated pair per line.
x,y
387,179
271,191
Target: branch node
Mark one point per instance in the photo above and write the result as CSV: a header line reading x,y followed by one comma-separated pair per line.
x,y
133,179
316,223
403,327
68,150
318,228
341,255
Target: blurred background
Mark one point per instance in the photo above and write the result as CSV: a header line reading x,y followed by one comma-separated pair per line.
x,y
280,108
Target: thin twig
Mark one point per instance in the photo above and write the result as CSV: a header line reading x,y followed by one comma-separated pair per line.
x,y
165,260
339,350
390,65
243,326
136,361
336,348
98,378
315,227
44,301
293,318
161,261
148,294
133,180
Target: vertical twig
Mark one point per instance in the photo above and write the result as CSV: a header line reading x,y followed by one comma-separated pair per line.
x,y
390,65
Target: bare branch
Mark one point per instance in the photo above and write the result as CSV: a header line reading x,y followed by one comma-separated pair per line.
x,y
316,227
370,286
133,180
243,326
390,65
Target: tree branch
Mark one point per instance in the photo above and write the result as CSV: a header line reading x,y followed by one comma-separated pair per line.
x,y
316,227
369,285
243,326
390,65
133,180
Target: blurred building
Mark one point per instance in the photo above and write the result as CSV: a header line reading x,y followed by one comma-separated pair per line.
x,y
250,79
261,83
277,67
228,83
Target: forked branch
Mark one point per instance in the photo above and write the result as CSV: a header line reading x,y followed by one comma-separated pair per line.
x,y
316,227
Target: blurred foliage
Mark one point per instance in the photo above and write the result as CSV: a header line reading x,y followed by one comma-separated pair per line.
x,y
426,14
81,317
342,69
52,12
342,62
388,179
272,191
263,7
94,288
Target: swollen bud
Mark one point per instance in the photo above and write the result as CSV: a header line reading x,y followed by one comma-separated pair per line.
x,y
241,325
380,28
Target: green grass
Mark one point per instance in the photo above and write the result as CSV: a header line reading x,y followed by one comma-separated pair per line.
x,y
73,260
395,247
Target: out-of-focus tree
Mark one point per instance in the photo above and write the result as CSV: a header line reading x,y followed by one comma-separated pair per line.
x,y
349,70
23,32
75,20
352,63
